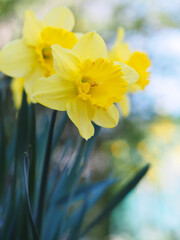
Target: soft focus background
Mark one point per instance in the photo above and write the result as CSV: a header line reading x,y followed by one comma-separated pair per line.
x,y
152,132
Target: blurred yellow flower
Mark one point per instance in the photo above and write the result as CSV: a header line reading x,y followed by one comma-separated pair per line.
x,y
163,129
17,86
30,57
86,84
119,147
137,60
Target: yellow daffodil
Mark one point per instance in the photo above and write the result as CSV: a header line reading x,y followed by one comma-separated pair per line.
x,y
86,84
30,57
137,60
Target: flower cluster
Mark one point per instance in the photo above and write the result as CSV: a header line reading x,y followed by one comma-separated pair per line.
x,y
72,72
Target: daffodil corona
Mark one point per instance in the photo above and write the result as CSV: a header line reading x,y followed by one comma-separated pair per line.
x,y
30,57
86,84
137,60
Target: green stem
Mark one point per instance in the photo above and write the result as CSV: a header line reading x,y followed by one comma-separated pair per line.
x,y
26,176
32,149
3,167
45,170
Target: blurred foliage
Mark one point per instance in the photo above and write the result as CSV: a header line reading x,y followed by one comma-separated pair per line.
x,y
43,199
7,7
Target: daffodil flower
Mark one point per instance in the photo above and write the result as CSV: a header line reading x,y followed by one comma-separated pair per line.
x,y
30,57
86,84
137,60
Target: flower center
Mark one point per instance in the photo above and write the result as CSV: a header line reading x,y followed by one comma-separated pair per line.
x,y
50,36
47,53
101,83
85,87
45,58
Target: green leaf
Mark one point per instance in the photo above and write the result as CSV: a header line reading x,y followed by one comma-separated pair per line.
x,y
117,199
76,173
26,173
94,189
55,175
21,142
59,129
3,165
44,177
74,234
32,151
21,147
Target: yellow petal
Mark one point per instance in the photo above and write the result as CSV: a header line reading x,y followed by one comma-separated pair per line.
x,y
36,73
66,63
81,114
60,17
124,105
17,90
17,86
120,34
32,29
134,87
129,74
79,35
120,51
90,45
53,92
106,119
16,59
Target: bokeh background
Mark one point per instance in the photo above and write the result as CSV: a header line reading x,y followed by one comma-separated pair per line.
x,y
152,132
